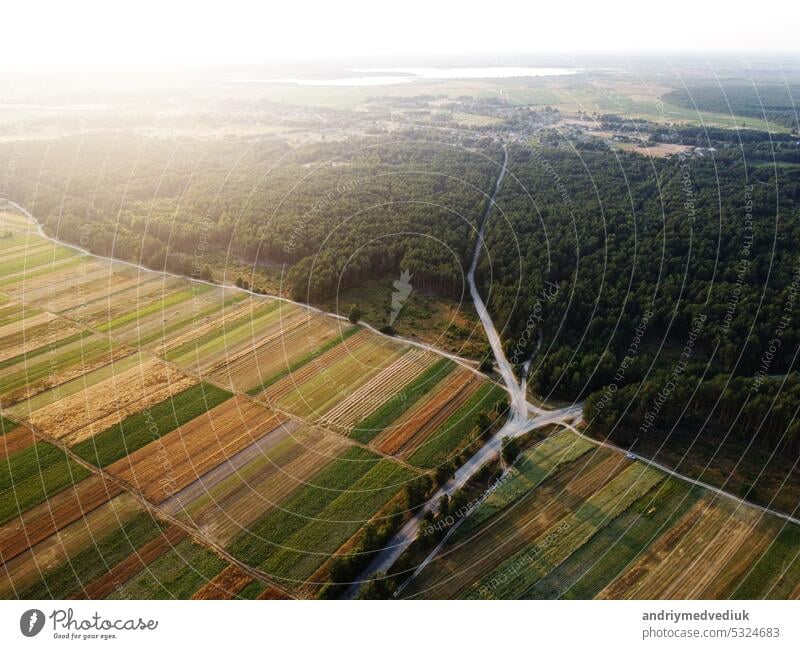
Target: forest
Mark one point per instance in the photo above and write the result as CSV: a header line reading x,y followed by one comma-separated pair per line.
x,y
600,266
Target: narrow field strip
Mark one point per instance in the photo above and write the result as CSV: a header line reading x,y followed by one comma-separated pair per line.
x,y
518,573
162,468
302,357
47,518
233,505
144,427
79,416
102,586
32,475
315,397
314,365
378,391
473,553
372,425
440,445
45,565
417,424
174,575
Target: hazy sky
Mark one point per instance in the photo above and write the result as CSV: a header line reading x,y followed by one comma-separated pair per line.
x,y
145,31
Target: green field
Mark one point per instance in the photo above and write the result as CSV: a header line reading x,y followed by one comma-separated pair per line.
x,y
69,578
140,429
375,423
174,575
32,475
458,428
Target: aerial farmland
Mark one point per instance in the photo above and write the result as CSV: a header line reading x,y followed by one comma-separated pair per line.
x,y
169,438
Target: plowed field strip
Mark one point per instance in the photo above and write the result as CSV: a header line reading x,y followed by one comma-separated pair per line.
x,y
226,585
188,452
378,390
103,586
60,510
416,426
15,440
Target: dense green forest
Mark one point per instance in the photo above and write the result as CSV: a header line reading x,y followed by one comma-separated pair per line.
x,y
603,267
334,213
773,101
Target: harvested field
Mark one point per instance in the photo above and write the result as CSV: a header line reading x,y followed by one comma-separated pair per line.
x,y
226,501
79,416
304,551
133,564
190,315
144,427
179,301
265,535
49,517
210,350
377,391
31,262
254,366
15,282
48,333
609,553
776,573
685,562
14,438
163,468
379,420
181,341
118,302
409,432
